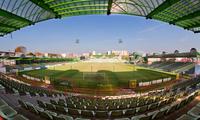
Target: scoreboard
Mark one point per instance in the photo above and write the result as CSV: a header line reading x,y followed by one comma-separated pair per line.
x,y
132,83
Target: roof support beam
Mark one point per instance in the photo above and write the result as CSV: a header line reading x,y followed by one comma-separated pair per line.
x,y
8,26
162,7
193,26
41,4
196,31
13,16
186,17
109,7
4,31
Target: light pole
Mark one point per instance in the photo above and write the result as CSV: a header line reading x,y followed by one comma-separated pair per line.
x,y
77,41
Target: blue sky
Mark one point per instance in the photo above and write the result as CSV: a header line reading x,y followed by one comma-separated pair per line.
x,y
101,33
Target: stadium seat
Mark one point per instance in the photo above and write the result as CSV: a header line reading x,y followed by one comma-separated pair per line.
x,y
53,102
18,117
15,91
41,104
149,101
62,117
39,109
82,107
182,103
90,107
87,113
7,112
114,107
61,109
73,112
162,103
195,112
160,113
141,102
150,115
142,109
122,119
116,113
101,114
48,114
140,117
82,119
2,89
152,106
3,103
186,117
32,108
69,105
123,106
130,112
50,106
62,103
101,107
133,105
23,104
172,108
198,105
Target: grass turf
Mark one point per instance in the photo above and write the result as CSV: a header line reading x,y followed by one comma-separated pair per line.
x,y
116,74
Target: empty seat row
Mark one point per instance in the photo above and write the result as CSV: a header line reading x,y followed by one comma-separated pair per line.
x,y
46,114
9,113
192,114
104,113
22,89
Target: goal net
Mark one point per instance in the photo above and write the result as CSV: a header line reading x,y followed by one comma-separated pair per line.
x,y
94,76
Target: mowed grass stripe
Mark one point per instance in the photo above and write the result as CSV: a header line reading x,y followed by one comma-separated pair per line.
x,y
117,74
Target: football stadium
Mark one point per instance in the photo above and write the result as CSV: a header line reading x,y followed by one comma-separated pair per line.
x,y
111,85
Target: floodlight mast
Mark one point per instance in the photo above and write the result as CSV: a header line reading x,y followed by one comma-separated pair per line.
x,y
109,7
77,41
120,41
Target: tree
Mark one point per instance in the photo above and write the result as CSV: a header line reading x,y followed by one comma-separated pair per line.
x,y
176,52
31,54
193,50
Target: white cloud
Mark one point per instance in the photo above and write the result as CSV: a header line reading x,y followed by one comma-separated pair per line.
x,y
151,29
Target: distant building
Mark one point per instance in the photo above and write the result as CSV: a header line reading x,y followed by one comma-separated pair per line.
x,y
72,55
52,55
39,55
192,56
7,54
86,54
20,51
64,55
30,55
7,62
109,53
82,58
99,53
120,52
93,52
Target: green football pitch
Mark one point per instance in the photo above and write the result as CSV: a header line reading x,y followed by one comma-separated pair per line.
x,y
94,75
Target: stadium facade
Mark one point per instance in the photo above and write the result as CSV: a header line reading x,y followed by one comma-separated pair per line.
x,y
168,88
16,14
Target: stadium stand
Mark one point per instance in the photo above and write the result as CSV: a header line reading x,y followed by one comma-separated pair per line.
x,y
141,107
23,89
67,107
177,67
13,18
9,113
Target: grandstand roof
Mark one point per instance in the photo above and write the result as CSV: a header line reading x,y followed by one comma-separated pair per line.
x,y
175,55
16,14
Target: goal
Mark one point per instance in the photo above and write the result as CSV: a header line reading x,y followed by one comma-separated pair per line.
x,y
94,76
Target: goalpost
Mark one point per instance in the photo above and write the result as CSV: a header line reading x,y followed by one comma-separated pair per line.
x,y
93,75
